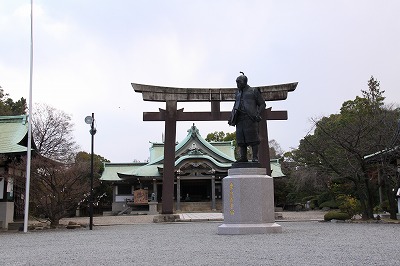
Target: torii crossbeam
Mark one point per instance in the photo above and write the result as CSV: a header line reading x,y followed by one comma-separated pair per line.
x,y
171,115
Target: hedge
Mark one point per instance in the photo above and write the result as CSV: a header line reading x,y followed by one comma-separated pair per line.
x,y
336,215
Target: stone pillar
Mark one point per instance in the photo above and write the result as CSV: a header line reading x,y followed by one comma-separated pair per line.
x,y
398,200
398,206
213,194
248,195
155,188
115,193
178,193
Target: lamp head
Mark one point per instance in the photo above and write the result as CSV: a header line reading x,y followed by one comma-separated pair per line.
x,y
88,119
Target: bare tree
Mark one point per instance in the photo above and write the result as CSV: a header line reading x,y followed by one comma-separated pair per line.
x,y
52,132
57,188
58,181
275,150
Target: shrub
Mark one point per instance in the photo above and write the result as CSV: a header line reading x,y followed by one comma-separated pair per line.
x,y
291,197
385,206
349,205
330,204
336,215
323,197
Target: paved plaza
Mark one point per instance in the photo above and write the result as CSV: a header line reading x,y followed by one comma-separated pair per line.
x,y
197,243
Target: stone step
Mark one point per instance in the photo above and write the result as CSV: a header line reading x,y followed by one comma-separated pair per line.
x,y
16,226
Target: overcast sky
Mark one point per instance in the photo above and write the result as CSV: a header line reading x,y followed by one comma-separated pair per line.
x,y
87,53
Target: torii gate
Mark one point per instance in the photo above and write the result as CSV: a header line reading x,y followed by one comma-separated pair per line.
x,y
171,115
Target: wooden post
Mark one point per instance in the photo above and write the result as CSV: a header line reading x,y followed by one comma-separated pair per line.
x,y
263,152
169,158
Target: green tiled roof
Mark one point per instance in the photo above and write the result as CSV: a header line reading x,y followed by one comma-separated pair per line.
x,y
194,132
276,169
223,152
13,130
204,157
111,170
152,170
149,170
225,149
156,151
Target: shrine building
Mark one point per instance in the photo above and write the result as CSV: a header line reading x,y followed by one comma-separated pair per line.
x,y
199,169
13,147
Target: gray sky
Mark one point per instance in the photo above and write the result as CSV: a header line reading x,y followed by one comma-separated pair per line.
x,y
87,53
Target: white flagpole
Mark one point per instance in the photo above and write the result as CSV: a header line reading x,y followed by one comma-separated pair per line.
x,y
29,148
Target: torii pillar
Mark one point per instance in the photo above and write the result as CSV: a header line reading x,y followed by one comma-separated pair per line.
x,y
171,115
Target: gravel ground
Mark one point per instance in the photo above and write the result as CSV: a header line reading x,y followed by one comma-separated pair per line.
x,y
138,219
196,243
111,220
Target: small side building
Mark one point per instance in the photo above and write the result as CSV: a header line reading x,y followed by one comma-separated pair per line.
x,y
13,147
200,167
384,169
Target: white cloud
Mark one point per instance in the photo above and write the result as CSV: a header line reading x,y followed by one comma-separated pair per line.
x,y
166,59
87,54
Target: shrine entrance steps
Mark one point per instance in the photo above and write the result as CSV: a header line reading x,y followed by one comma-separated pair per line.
x,y
193,206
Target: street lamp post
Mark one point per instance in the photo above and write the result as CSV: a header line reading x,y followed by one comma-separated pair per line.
x,y
90,120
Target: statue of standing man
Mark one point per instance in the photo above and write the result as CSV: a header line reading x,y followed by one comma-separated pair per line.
x,y
246,114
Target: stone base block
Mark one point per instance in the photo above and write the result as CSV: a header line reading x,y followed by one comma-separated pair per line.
x,y
248,195
16,226
247,229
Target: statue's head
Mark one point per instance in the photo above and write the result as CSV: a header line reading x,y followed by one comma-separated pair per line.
x,y
241,81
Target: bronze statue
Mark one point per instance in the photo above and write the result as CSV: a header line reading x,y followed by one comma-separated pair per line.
x,y
245,115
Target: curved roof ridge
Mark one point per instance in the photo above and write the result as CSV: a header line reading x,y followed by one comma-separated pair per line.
x,y
194,131
177,147
202,156
211,147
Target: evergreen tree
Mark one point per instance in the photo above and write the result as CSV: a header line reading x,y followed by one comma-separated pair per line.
x,y
8,107
340,142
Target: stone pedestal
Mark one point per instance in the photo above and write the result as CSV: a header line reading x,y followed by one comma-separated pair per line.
x,y
6,214
153,207
248,196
